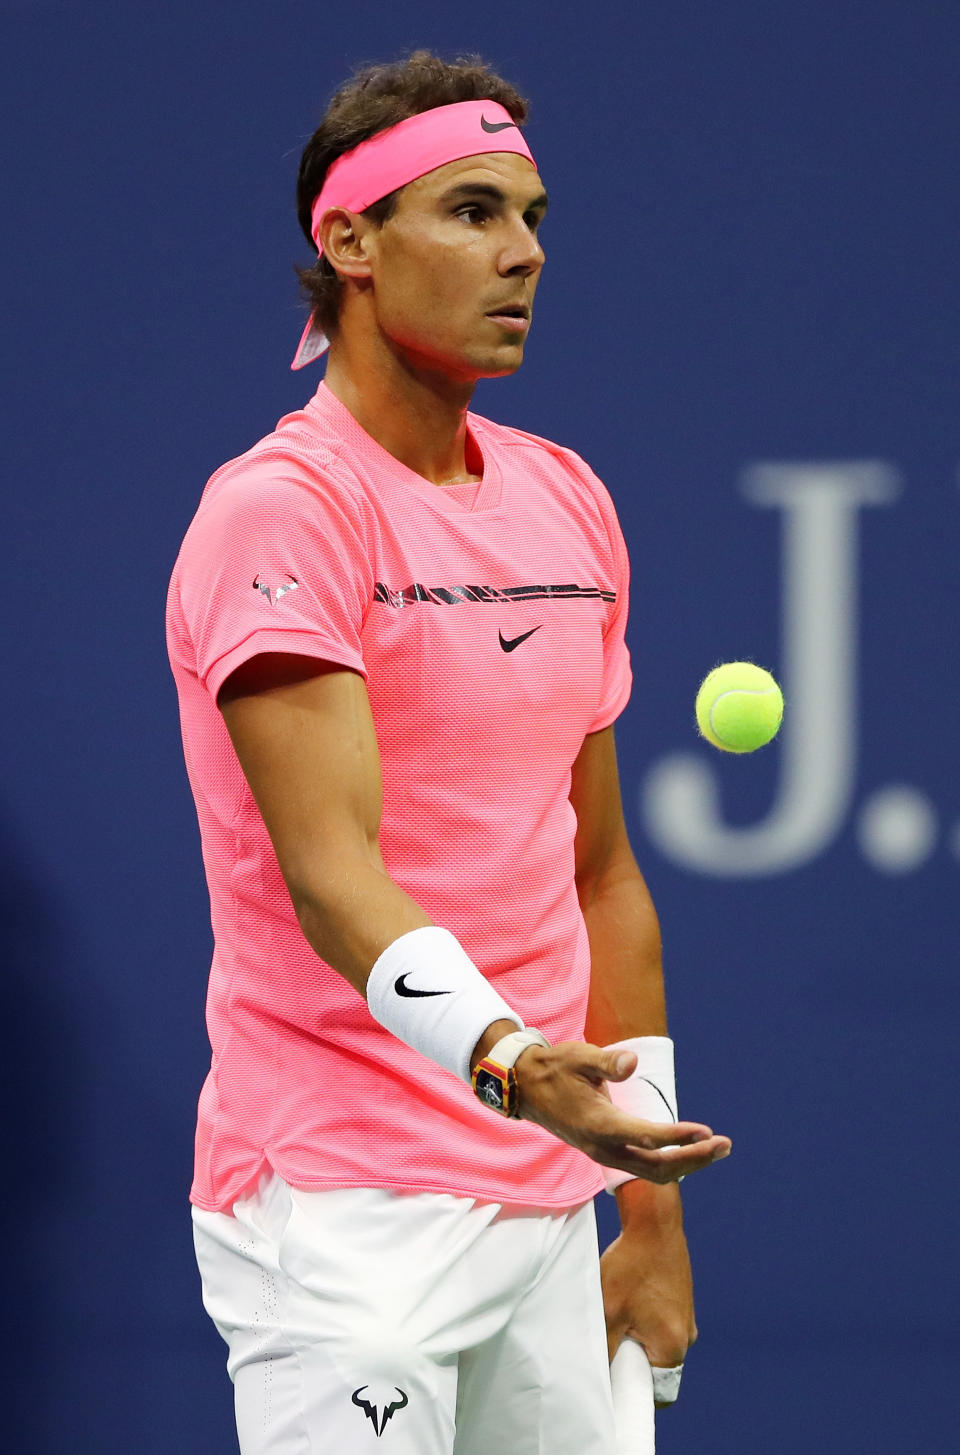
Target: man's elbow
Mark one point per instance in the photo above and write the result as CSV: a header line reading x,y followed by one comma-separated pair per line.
x,y
598,876
327,893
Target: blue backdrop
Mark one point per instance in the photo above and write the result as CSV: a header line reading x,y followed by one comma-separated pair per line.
x,y
748,325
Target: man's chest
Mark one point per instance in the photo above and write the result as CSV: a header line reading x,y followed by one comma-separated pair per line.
x,y
499,630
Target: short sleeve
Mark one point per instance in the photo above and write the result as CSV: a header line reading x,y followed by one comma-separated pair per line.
x,y
617,673
275,561
617,679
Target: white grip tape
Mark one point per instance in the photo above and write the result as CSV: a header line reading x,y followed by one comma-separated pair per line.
x,y
427,991
631,1384
637,1389
666,1384
649,1092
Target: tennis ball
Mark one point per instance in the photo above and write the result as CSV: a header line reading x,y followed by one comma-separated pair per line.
x,y
739,707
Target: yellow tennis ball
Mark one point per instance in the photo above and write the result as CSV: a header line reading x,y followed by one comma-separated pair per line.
x,y
739,707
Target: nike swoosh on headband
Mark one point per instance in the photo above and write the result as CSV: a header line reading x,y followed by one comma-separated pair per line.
x,y
492,126
400,154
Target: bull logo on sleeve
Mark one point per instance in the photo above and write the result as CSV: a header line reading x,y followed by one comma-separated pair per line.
x,y
275,594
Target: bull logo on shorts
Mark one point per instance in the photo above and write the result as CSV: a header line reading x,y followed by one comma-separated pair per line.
x,y
370,1410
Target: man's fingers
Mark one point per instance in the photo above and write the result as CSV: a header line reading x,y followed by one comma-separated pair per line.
x,y
563,1088
615,1065
632,1130
622,1127
597,1063
661,1151
669,1134
665,1164
713,1148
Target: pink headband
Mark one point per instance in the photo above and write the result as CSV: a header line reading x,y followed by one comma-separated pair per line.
x,y
399,155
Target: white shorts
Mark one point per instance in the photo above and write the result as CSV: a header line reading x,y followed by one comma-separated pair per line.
x,y
367,1320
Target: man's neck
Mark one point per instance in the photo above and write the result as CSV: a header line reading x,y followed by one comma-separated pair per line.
x,y
418,416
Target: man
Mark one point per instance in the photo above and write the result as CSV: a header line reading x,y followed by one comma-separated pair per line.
x,y
397,631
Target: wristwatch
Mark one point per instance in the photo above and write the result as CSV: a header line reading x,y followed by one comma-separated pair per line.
x,y
494,1079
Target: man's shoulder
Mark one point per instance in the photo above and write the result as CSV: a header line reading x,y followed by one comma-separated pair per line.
x,y
560,460
508,435
295,456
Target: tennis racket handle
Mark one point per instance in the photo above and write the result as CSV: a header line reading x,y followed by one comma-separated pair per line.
x,y
632,1385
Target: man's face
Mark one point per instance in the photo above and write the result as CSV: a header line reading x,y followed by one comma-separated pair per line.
x,y
460,248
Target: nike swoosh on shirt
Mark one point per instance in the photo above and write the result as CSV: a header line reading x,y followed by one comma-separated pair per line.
x,y
509,646
496,125
408,990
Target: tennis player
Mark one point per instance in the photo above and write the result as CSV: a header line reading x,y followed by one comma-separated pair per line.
x,y
436,1005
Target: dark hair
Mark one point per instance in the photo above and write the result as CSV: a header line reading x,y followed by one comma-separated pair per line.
x,y
376,97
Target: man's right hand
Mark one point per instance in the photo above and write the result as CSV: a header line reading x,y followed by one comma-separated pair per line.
x,y
563,1089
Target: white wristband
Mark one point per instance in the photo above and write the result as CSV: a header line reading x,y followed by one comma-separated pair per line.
x,y
427,991
649,1091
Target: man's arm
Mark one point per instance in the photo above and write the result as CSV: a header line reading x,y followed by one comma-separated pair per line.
x,y
304,734
648,1292
626,983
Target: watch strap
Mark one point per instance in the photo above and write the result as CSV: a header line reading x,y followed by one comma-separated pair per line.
x,y
505,1051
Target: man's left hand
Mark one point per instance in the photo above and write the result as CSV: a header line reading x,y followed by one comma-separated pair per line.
x,y
645,1273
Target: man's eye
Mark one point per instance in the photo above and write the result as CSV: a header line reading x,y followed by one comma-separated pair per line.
x,y
474,208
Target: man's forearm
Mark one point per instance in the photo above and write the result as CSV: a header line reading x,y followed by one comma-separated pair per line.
x,y
351,912
626,978
358,914
627,999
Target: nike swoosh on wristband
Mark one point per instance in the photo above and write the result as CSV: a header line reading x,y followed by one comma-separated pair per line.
x,y
496,125
408,990
509,646
666,1103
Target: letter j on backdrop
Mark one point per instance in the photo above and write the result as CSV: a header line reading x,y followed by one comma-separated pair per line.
x,y
680,795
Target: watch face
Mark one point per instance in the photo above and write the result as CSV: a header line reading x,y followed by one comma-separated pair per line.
x,y
490,1089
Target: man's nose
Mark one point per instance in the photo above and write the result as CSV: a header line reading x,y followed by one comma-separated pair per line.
x,y
523,253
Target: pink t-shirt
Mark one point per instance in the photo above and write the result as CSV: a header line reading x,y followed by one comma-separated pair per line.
x,y
488,623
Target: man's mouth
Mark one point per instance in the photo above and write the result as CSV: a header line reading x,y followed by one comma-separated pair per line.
x,y
511,310
512,316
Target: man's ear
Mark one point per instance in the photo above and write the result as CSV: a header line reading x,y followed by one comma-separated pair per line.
x,y
345,237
